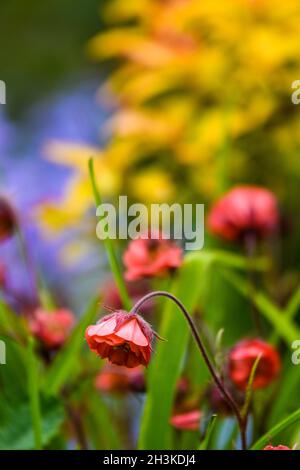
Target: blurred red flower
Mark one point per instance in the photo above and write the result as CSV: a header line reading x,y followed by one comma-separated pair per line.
x,y
120,379
189,421
182,387
151,257
280,447
218,403
52,328
136,290
242,358
124,338
7,220
243,210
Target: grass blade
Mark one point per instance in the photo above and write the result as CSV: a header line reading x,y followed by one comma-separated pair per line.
x,y
33,391
279,427
211,425
293,305
112,258
230,260
284,327
249,389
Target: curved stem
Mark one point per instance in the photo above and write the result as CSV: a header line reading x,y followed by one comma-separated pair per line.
x,y
219,384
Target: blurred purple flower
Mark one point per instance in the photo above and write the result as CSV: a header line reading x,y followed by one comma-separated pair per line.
x,y
27,179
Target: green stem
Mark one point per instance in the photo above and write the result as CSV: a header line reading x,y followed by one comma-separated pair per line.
x,y
32,277
112,258
250,247
34,398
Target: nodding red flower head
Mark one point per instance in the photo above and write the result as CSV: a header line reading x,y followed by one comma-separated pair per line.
x,y
52,328
152,256
243,210
7,220
189,421
280,447
123,338
242,358
120,379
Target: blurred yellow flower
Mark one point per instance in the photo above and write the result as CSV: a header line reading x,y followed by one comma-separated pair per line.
x,y
202,92
152,186
77,197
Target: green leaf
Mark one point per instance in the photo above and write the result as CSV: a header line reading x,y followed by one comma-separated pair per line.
x,y
13,375
16,432
167,361
287,398
290,312
222,306
278,428
102,429
109,246
67,359
10,323
293,305
230,260
285,328
33,390
249,389
205,443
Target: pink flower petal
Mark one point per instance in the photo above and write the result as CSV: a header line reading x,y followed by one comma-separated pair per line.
x,y
103,328
132,332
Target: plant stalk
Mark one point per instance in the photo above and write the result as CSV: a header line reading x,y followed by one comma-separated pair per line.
x,y
231,402
112,257
250,246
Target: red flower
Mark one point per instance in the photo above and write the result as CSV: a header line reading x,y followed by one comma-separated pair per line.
x,y
242,210
242,358
280,447
189,421
118,379
151,257
124,338
7,220
52,328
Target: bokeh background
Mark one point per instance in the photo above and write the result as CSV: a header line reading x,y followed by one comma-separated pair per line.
x,y
176,100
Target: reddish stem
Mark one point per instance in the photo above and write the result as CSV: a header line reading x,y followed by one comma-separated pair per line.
x,y
231,402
